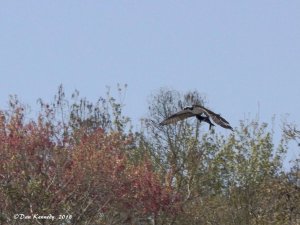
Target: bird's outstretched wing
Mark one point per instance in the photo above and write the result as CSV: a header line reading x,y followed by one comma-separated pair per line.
x,y
181,115
217,118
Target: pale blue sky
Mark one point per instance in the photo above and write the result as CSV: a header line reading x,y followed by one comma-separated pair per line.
x,y
237,53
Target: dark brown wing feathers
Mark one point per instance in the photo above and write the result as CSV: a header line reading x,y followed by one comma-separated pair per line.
x,y
197,110
181,115
217,118
221,121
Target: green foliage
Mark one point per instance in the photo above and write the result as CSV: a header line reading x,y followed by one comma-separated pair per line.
x,y
82,159
222,179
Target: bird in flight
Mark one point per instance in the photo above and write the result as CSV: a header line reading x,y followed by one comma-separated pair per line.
x,y
198,111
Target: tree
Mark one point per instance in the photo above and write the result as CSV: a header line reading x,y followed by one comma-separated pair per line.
x,y
83,160
76,161
222,179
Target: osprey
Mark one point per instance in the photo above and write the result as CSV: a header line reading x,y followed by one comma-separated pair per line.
x,y
198,110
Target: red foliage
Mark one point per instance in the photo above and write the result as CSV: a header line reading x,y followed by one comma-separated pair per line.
x,y
89,173
102,158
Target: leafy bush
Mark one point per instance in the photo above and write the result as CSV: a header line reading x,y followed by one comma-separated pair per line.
x,y
81,160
